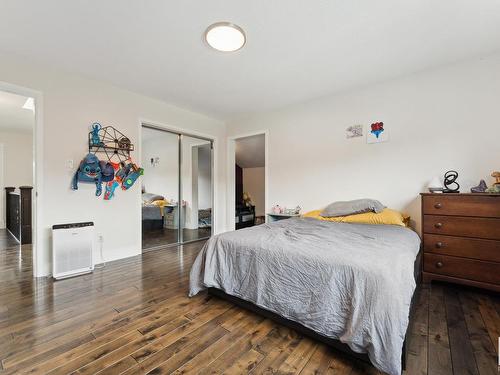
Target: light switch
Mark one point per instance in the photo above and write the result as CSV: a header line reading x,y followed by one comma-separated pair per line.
x,y
70,164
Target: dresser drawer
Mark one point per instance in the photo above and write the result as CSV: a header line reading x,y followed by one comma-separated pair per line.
x,y
462,247
473,205
470,269
462,226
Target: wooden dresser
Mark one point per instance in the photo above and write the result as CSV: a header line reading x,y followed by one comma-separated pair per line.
x,y
461,236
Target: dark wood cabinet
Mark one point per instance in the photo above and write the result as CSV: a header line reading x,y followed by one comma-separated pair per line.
x,y
19,213
238,180
13,213
244,217
26,214
461,235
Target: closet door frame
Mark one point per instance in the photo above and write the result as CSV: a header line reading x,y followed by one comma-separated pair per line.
x,y
180,133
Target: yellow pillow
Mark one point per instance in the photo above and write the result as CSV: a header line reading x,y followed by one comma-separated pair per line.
x,y
160,202
387,216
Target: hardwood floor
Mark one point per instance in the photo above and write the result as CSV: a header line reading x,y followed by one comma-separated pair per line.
x,y
165,236
134,317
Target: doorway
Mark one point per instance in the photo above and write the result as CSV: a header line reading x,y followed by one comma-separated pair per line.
x,y
17,124
177,187
247,179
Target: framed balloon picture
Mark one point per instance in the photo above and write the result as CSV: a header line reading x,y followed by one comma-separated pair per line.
x,y
377,133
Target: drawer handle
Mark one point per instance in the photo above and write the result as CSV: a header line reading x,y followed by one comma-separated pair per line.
x,y
438,225
438,205
439,245
439,264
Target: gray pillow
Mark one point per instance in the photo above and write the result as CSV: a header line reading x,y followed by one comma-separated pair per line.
x,y
357,206
150,197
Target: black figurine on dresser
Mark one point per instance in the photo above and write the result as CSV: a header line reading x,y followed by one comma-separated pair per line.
x,y
450,182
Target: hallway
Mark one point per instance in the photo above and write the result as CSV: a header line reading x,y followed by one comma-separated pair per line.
x,y
15,260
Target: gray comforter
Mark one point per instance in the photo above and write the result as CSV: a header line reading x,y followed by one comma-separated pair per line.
x,y
151,212
351,282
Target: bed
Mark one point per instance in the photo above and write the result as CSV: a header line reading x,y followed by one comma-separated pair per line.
x,y
349,285
153,211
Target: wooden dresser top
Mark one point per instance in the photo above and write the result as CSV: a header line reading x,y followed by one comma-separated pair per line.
x,y
462,194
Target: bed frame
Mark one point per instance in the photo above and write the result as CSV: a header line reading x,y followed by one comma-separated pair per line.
x,y
336,344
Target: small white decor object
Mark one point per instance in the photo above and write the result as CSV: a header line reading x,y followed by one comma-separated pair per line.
x,y
435,185
277,209
155,161
377,133
354,131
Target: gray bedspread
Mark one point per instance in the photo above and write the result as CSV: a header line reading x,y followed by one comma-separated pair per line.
x,y
151,212
351,282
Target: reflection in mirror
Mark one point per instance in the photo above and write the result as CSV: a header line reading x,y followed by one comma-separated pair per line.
x,y
196,178
160,188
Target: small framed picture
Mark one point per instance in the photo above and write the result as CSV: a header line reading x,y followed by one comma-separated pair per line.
x,y
354,131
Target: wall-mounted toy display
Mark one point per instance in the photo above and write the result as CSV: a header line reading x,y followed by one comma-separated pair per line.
x,y
117,170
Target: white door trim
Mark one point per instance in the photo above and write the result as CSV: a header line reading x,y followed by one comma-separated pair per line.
x,y
231,161
37,221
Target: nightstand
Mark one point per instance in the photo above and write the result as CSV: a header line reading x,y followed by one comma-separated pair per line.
x,y
277,217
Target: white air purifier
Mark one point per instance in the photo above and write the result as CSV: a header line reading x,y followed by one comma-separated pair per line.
x,y
72,247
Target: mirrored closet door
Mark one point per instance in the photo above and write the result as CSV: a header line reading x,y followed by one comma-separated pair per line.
x,y
176,188
160,188
196,182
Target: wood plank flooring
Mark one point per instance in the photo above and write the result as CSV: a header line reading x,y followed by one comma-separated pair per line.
x,y
134,317
161,237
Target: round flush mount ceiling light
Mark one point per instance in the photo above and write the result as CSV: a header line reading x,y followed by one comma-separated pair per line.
x,y
225,37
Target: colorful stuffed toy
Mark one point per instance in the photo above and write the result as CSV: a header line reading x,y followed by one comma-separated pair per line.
x,y
132,176
96,140
110,190
107,170
89,171
122,172
128,175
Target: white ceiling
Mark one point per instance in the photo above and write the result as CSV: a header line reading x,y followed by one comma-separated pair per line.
x,y
250,152
296,50
13,117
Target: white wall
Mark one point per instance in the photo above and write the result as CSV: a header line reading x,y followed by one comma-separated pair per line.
x,y
162,179
17,163
18,154
70,104
254,184
438,120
